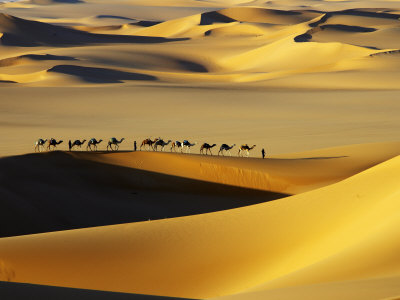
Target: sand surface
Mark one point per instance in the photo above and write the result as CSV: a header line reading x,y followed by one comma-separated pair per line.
x,y
249,249
314,83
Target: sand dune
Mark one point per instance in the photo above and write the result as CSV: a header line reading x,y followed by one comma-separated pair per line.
x,y
287,76
250,46
192,184
271,245
21,291
119,193
375,288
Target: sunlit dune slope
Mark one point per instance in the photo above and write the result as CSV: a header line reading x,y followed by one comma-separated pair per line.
x,y
374,288
112,188
287,173
251,46
345,231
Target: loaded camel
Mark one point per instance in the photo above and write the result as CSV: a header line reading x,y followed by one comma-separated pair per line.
x,y
207,147
227,148
92,142
40,143
246,148
75,143
149,143
115,142
161,143
187,144
54,143
176,144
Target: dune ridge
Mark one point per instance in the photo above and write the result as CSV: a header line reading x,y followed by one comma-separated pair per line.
x,y
250,46
283,75
272,249
268,248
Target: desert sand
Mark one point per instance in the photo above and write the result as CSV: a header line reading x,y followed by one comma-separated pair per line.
x,y
314,83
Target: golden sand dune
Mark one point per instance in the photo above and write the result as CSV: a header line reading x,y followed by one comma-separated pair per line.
x,y
375,288
242,45
149,179
285,75
249,249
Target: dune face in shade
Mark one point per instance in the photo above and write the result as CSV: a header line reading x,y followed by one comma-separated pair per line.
x,y
314,85
265,46
271,245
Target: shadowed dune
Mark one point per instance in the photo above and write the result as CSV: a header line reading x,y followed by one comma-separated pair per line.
x,y
65,192
32,57
282,74
20,291
49,2
345,231
26,33
249,46
100,75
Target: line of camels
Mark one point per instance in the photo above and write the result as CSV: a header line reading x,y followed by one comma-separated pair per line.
x,y
147,144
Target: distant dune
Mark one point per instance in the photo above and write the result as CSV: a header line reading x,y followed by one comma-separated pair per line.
x,y
314,85
259,46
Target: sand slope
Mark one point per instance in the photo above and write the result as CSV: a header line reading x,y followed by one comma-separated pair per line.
x,y
17,291
253,46
258,247
112,188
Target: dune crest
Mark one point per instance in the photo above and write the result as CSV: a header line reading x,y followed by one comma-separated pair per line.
x,y
270,245
249,46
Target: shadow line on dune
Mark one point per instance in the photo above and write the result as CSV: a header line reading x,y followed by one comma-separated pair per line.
x,y
62,192
19,291
26,33
100,75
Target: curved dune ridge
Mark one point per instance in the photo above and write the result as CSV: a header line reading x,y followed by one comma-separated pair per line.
x,y
298,48
131,187
249,252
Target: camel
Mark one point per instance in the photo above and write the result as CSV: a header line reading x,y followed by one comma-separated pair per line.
x,y
187,144
54,143
149,143
207,147
75,143
227,148
93,142
38,143
245,148
115,142
161,143
176,144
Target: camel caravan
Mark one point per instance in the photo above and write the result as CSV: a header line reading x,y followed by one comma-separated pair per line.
x,y
146,145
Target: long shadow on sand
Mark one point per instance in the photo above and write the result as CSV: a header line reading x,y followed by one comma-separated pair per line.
x,y
55,191
100,75
19,291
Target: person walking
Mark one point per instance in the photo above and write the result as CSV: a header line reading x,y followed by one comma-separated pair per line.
x,y
263,153
134,146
